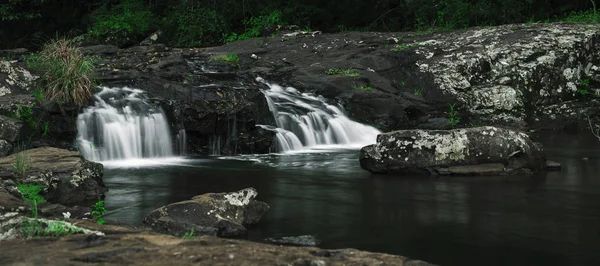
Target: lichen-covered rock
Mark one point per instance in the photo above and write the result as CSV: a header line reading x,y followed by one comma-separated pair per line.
x,y
14,79
482,150
13,226
502,74
221,214
64,176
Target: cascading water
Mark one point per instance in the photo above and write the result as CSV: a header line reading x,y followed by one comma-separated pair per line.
x,y
307,121
120,125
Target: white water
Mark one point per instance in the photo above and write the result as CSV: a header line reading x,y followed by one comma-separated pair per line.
x,y
307,122
121,126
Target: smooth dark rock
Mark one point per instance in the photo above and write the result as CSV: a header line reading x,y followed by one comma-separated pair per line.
x,y
471,151
10,198
9,128
221,214
101,49
305,240
553,166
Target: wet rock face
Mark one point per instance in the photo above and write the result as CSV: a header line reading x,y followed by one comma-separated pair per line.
x,y
507,75
221,214
478,151
217,106
64,176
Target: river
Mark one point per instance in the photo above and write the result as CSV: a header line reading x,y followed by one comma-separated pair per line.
x,y
547,219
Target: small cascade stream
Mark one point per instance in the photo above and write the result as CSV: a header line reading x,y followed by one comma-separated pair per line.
x,y
121,125
305,121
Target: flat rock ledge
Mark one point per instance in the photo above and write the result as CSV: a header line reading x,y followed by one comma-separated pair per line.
x,y
65,176
127,246
217,214
471,151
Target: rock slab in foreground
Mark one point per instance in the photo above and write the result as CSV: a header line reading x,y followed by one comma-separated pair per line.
x,y
221,214
127,247
65,177
471,151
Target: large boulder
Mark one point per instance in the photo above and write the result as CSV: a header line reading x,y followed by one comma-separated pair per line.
x,y
221,214
482,150
64,176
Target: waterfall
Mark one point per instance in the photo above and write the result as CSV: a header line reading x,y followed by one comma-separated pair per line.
x,y
307,121
120,125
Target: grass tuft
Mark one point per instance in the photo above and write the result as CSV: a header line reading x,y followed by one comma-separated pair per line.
x,y
67,76
229,58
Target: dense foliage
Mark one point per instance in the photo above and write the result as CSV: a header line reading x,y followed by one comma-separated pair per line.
x,y
204,22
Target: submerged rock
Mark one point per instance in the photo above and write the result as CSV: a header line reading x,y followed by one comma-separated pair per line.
x,y
472,151
221,214
305,240
64,176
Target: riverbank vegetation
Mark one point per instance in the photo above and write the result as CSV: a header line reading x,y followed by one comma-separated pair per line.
x,y
187,23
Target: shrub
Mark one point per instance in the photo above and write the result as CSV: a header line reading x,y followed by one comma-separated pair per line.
x,y
256,25
131,16
67,76
192,26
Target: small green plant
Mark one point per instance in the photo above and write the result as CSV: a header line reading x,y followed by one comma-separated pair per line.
x,y
31,192
66,74
229,58
25,114
189,234
584,86
347,72
98,211
46,129
21,166
363,88
453,118
418,91
38,94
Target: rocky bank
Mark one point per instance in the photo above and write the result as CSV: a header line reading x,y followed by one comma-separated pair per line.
x,y
126,246
522,76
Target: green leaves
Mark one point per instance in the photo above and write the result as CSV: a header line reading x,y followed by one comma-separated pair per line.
x,y
31,192
98,211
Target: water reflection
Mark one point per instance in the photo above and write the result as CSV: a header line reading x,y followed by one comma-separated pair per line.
x,y
547,219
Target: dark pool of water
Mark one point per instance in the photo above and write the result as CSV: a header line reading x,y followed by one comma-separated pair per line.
x,y
547,219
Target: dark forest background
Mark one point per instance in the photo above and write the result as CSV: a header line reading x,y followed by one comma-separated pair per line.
x,y
184,23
